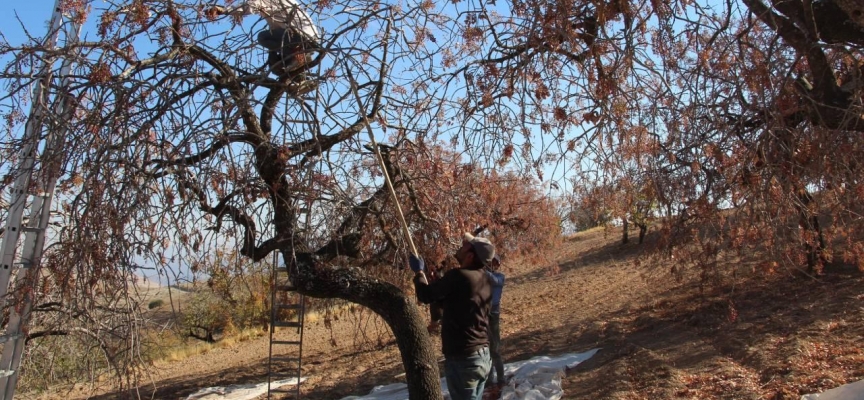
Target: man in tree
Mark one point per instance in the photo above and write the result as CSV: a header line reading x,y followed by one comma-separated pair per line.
x,y
290,36
495,321
466,293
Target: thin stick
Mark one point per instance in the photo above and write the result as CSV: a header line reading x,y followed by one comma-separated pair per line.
x,y
383,166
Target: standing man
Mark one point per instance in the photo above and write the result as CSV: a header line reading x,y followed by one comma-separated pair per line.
x,y
436,308
290,36
495,321
466,293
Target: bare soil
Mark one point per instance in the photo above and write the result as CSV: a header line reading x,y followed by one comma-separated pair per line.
x,y
750,335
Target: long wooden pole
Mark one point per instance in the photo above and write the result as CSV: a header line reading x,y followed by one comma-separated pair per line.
x,y
380,158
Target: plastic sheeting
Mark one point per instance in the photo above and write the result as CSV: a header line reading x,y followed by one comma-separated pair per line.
x,y
538,378
849,391
239,392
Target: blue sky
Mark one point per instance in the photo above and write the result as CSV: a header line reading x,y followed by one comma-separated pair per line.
x,y
33,14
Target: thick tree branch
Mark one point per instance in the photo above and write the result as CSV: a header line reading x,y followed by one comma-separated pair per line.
x,y
836,22
223,209
829,106
66,332
318,145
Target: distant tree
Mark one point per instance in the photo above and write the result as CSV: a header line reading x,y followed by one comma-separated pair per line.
x,y
742,118
237,290
448,197
205,316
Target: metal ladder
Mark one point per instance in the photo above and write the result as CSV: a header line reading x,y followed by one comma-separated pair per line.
x,y
21,268
287,310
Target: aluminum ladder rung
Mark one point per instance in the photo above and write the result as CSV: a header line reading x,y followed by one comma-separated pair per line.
x,y
6,338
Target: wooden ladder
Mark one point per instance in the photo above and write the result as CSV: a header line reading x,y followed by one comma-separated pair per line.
x,y
286,311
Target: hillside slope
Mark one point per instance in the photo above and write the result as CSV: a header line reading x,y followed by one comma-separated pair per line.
x,y
768,337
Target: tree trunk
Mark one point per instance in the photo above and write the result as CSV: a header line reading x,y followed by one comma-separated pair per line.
x,y
810,223
854,10
643,228
398,311
624,231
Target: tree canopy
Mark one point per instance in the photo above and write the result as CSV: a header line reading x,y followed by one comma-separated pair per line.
x,y
180,140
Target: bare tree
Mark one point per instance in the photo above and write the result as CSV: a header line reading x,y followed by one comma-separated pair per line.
x,y
181,138
182,141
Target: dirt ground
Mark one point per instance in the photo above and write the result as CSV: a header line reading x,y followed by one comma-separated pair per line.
x,y
661,336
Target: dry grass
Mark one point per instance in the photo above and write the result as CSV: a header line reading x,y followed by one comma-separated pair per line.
x,y
750,334
175,348
178,349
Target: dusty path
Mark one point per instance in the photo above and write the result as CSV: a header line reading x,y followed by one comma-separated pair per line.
x,y
660,338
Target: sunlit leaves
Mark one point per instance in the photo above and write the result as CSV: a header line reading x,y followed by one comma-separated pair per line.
x,y
447,197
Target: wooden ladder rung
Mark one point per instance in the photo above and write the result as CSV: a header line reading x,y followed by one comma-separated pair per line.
x,y
291,342
294,391
284,359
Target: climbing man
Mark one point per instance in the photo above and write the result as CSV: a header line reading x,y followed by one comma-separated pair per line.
x,y
466,293
290,38
494,272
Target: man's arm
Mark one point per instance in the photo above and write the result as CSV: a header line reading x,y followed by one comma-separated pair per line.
x,y
498,278
241,9
428,293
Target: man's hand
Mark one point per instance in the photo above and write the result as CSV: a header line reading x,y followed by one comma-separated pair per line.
x,y
416,263
214,12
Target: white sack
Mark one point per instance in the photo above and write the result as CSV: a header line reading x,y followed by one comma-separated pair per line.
x,y
239,392
536,379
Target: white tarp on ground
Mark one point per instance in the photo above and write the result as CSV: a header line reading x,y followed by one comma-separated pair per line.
x,y
239,392
849,391
536,379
